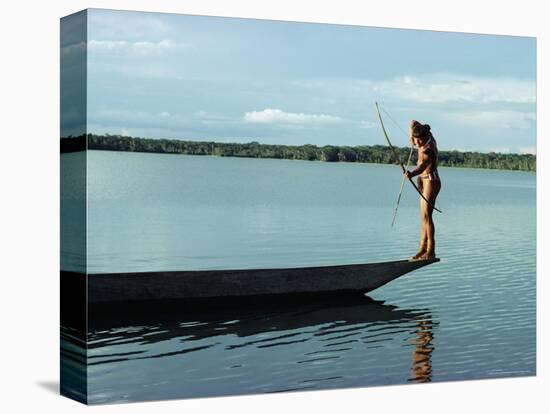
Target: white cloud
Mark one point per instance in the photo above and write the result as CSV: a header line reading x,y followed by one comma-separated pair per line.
x,y
73,48
139,48
427,89
108,24
278,116
504,119
200,114
442,88
448,88
368,124
147,69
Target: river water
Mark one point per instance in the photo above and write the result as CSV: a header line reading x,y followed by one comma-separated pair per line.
x,y
470,316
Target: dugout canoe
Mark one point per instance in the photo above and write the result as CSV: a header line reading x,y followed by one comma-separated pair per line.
x,y
243,283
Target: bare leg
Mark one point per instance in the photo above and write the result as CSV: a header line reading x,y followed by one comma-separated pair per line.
x,y
423,230
431,190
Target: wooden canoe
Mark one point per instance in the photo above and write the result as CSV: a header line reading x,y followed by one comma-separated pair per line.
x,y
243,283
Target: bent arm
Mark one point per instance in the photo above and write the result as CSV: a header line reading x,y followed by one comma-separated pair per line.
x,y
425,162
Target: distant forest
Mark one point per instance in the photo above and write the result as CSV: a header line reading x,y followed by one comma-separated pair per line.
x,y
378,154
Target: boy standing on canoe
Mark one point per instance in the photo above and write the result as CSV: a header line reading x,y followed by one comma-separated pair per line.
x,y
429,185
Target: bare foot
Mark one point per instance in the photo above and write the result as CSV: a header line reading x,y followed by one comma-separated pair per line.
x,y
419,254
428,256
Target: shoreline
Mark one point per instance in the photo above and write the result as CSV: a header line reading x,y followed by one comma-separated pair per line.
x,y
362,154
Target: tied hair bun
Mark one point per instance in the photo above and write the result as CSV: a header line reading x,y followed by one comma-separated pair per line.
x,y
420,130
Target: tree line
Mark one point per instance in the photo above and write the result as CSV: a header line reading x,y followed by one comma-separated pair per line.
x,y
378,154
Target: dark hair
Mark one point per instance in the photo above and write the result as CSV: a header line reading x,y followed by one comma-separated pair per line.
x,y
420,131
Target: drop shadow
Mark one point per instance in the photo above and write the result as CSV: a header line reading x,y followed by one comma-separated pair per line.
x,y
50,386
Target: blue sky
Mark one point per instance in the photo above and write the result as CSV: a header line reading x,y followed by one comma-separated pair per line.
x,y
239,80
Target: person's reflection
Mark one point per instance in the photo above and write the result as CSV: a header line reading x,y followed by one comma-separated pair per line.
x,y
421,370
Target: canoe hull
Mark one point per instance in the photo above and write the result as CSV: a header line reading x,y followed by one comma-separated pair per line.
x,y
225,284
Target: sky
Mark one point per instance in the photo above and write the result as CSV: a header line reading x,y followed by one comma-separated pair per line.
x,y
220,79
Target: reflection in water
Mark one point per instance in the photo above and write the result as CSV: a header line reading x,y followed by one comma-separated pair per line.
x,y
73,364
421,358
173,353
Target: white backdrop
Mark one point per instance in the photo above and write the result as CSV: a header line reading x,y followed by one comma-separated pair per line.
x,y
29,206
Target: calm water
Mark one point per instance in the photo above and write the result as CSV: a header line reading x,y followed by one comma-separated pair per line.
x,y
470,316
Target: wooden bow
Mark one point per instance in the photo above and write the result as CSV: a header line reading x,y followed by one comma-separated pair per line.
x,y
396,156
